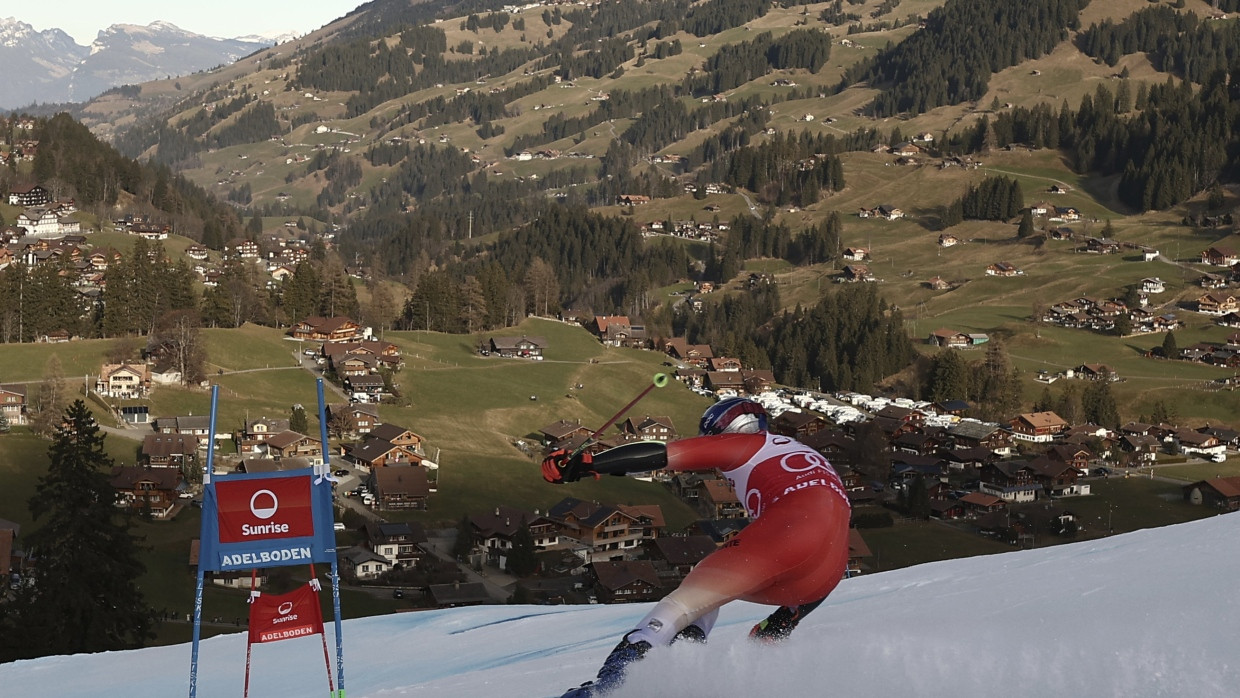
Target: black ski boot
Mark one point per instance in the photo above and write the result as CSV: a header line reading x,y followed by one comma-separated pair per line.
x,y
780,624
611,675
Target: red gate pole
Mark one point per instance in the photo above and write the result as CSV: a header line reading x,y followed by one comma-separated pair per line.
x,y
327,658
249,645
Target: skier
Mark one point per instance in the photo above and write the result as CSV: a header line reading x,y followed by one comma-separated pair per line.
x,y
792,554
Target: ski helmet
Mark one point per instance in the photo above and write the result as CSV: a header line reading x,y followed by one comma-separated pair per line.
x,y
735,415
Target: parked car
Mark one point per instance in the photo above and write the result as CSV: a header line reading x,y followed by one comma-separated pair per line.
x,y
338,526
341,472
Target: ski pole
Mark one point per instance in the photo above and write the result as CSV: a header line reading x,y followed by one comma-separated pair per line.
x,y
660,380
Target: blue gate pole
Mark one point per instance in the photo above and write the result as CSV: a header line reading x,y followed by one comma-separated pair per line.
x,y
206,480
335,560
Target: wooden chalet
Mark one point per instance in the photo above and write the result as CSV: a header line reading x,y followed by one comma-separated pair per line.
x,y
459,594
13,403
624,581
858,553
263,428
1219,256
361,563
125,381
977,503
357,418
717,500
141,489
322,329
27,195
1037,426
649,428
944,337
290,444
1220,493
495,531
798,425
618,331
400,487
398,542
697,355
675,556
611,532
517,347
557,433
1217,304
1056,478
168,450
1012,481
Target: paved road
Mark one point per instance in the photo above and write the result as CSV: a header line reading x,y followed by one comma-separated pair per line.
x,y
498,584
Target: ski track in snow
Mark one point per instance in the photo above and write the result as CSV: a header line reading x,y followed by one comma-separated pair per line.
x,y
1148,614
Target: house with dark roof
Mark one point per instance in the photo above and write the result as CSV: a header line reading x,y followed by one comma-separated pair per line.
x,y
649,428
13,403
290,444
141,489
944,337
324,329
168,450
797,424
1057,478
398,542
559,432
716,499
495,530
355,419
697,355
262,428
977,503
618,331
625,581
1220,493
1012,481
459,594
518,347
1037,426
612,533
361,562
675,556
400,487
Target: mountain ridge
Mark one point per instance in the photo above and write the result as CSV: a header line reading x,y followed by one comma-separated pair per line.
x,y
52,68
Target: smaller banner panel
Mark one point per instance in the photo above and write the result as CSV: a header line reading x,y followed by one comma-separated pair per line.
x,y
275,617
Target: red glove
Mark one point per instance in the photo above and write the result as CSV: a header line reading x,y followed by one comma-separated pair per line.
x,y
558,468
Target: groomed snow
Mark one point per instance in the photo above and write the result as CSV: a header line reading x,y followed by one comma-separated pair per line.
x,y
1151,613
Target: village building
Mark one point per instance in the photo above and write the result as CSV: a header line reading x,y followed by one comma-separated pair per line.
x,y
517,347
1220,493
126,381
13,403
1039,427
144,490
321,329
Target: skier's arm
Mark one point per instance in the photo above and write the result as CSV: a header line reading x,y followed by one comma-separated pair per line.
x,y
722,451
638,457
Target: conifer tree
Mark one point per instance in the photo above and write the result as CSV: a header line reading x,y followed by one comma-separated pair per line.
x,y
522,561
83,597
298,421
1169,348
1026,225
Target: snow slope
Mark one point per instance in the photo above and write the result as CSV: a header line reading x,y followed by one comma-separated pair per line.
x,y
1150,613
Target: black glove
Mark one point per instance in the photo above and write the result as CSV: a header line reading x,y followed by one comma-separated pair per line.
x,y
559,468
